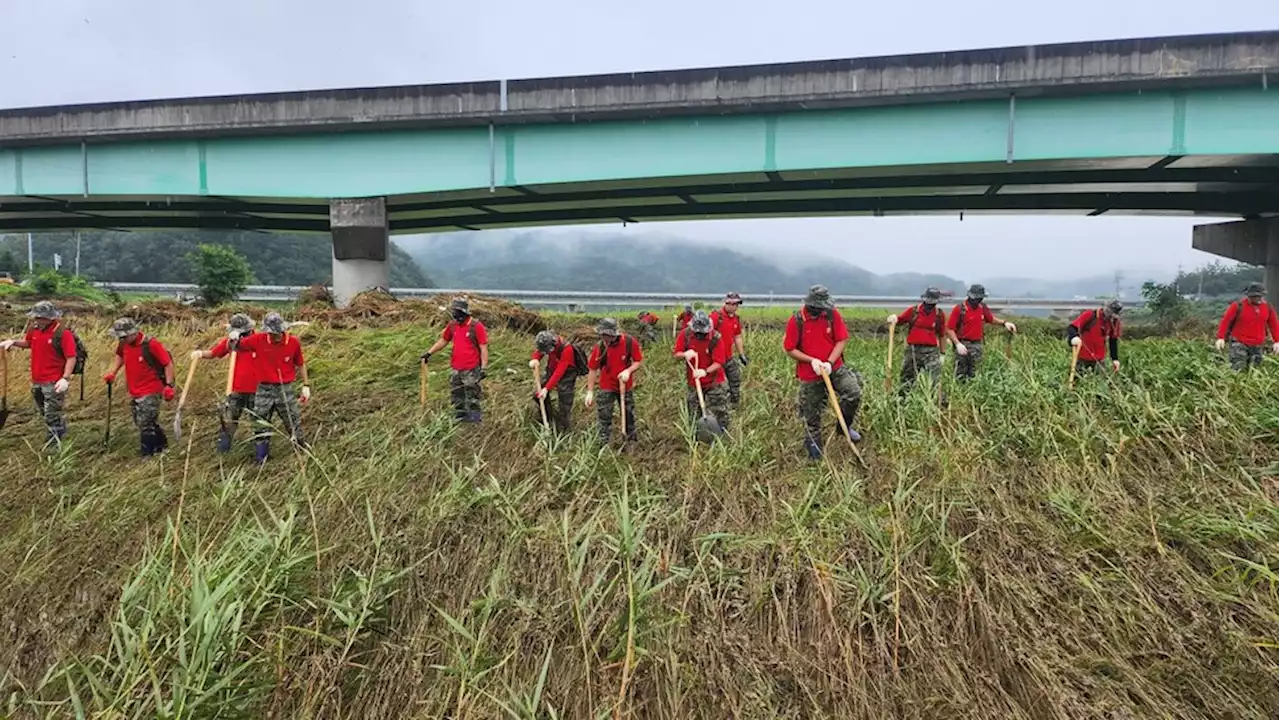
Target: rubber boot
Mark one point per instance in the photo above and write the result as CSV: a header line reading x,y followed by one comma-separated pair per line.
x,y
815,451
224,441
472,417
850,411
260,451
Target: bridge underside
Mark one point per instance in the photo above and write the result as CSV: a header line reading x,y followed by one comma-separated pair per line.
x,y
1242,186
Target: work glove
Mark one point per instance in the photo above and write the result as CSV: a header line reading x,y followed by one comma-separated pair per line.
x,y
961,349
61,386
699,373
624,376
690,355
109,378
1276,348
424,357
1219,344
168,392
306,395
1010,327
743,359
484,373
589,399
1115,366
533,364
197,354
892,320
542,393
1075,341
816,364
5,345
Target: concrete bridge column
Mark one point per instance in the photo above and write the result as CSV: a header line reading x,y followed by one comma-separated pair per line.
x,y
359,230
1247,241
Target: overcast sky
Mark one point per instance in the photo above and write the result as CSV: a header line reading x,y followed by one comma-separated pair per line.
x,y
73,51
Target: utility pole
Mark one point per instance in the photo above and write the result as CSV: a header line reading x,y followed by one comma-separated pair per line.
x,y
31,260
77,253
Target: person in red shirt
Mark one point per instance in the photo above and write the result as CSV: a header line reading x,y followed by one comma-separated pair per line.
x,y
815,339
1096,332
1245,323
244,379
648,326
729,325
277,356
614,360
53,358
469,359
148,372
966,326
560,373
705,352
684,318
926,328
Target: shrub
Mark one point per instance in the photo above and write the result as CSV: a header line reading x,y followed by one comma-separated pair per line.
x,y
47,282
221,273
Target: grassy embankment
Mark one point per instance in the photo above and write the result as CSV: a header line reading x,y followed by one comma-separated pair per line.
x,y
1028,552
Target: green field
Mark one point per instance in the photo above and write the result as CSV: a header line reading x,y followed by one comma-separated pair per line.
x,y
1028,552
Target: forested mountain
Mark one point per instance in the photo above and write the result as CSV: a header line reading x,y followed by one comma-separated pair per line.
x,y
533,260
160,256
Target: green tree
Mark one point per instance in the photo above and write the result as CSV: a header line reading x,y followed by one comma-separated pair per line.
x,y
1164,302
221,272
9,263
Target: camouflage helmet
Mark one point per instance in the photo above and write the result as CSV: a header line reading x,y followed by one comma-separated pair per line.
x,y
931,295
1253,289
1114,307
274,324
461,304
44,310
123,328
608,327
977,291
819,297
545,341
701,322
239,324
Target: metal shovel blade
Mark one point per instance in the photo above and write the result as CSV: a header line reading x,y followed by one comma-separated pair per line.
x,y
177,425
4,411
707,429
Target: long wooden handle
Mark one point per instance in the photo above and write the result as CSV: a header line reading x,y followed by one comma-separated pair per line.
x,y
622,405
542,402
697,384
1075,357
191,373
835,405
4,374
231,372
422,384
888,361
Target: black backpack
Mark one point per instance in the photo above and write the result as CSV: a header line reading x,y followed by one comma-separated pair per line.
x,y
579,357
1240,309
148,357
938,322
82,353
960,314
626,351
471,331
798,316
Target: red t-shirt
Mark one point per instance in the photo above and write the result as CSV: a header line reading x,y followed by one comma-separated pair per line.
x,y
46,364
245,379
975,321
276,361
926,327
1251,329
614,362
465,354
729,326
685,319
140,377
819,339
649,319
687,340
561,359
1093,341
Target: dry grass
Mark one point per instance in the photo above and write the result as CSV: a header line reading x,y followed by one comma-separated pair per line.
x,y
1026,553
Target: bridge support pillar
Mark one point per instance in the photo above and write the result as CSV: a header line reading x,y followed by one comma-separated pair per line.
x,y
1247,241
360,247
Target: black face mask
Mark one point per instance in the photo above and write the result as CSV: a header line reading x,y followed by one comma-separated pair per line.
x,y
701,335
459,315
975,302
611,339
813,311
929,306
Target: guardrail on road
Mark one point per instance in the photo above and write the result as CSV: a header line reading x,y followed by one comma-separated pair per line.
x,y
580,300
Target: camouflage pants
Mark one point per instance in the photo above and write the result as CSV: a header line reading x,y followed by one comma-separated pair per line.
x,y
464,393
560,407
605,400
733,374
1244,356
146,417
813,399
232,407
648,333
50,406
919,359
717,398
276,399
967,365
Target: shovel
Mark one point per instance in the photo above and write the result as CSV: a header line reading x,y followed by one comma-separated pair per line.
x,y
106,435
622,406
4,387
542,402
888,362
224,417
835,405
707,427
1075,357
177,415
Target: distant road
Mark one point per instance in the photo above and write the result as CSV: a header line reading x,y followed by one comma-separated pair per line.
x,y
597,301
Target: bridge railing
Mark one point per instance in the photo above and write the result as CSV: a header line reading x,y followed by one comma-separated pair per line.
x,y
585,300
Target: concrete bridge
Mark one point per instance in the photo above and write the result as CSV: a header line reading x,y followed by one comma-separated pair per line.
x,y
1173,125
